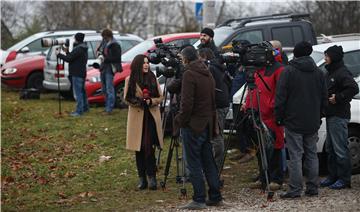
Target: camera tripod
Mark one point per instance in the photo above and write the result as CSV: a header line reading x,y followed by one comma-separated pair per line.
x,y
261,130
174,145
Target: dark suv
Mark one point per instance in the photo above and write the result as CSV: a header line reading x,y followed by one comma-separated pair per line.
x,y
288,28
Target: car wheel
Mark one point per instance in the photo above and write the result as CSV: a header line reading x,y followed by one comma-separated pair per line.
x,y
354,147
35,80
119,97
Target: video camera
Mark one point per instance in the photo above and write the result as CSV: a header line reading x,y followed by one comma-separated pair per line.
x,y
48,42
166,54
259,55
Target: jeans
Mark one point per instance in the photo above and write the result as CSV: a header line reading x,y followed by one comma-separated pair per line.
x,y
108,90
339,162
78,85
299,144
200,161
218,141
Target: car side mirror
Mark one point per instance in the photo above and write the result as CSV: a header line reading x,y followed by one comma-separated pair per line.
x,y
24,50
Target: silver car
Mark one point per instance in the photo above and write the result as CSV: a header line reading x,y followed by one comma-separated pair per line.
x,y
51,76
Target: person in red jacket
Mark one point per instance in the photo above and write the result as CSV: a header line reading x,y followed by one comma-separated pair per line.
x,y
270,75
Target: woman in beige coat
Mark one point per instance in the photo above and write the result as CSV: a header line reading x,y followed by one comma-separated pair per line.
x,y
144,132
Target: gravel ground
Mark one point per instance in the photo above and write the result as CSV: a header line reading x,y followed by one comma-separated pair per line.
x,y
328,200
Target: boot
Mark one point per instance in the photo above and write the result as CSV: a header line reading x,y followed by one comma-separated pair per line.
x,y
152,183
142,183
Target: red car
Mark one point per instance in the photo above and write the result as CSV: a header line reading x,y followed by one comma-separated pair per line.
x,y
93,82
26,72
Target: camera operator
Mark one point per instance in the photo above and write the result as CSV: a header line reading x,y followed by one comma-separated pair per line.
x,y
221,100
110,65
270,74
77,60
143,95
207,41
197,121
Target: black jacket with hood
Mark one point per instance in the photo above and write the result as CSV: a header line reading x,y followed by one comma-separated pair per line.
x,y
77,60
221,88
340,82
301,96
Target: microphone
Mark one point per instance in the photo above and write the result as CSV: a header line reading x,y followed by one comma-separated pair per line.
x,y
146,93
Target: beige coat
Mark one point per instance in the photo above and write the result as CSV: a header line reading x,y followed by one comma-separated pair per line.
x,y
135,119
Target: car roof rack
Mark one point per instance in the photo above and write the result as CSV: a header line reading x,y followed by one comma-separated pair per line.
x,y
242,21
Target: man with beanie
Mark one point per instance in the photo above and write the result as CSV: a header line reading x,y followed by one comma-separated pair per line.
x,y
77,60
301,98
111,51
207,41
341,88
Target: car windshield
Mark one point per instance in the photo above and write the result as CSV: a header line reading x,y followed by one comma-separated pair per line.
x,y
317,56
24,42
141,48
220,34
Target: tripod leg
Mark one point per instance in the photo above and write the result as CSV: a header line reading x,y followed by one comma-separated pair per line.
x,y
168,163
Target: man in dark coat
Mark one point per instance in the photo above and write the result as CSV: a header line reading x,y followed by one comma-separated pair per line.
x,y
196,119
341,88
77,60
301,98
207,41
111,65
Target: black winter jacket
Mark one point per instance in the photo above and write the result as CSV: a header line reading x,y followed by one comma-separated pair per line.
x,y
77,60
211,45
340,82
221,89
112,54
301,96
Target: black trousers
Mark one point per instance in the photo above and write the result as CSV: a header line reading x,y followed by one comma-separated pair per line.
x,y
146,165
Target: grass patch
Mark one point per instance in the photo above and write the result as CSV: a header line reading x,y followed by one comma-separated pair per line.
x,y
52,163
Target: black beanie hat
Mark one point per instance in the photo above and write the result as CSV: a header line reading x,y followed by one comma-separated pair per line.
x,y
302,48
335,53
208,31
79,37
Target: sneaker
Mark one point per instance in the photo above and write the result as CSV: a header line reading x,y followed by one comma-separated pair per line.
x,y
246,158
339,184
289,195
75,114
311,193
193,206
327,182
256,185
274,186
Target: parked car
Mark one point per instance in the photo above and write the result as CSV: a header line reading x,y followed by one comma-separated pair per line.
x,y
288,28
93,82
32,45
352,61
50,82
26,72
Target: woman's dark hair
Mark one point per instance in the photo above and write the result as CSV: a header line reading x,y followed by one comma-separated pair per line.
x,y
189,53
206,53
144,80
